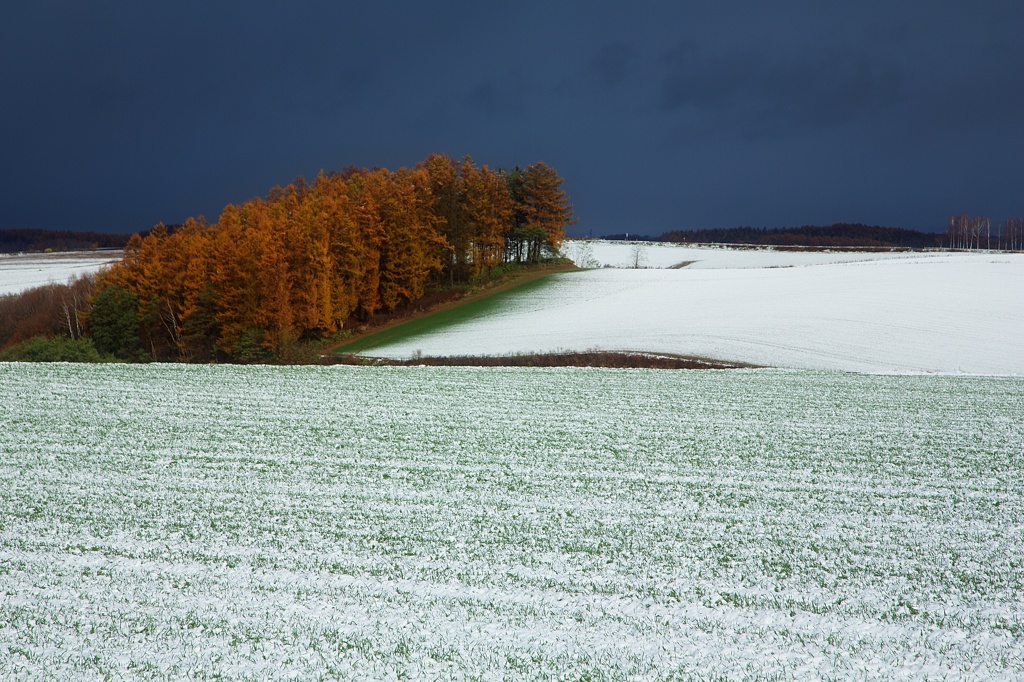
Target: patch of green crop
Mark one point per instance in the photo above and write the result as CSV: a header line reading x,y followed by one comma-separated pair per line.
x,y
169,521
441,319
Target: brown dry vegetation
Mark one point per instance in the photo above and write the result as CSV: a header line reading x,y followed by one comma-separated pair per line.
x,y
49,310
616,359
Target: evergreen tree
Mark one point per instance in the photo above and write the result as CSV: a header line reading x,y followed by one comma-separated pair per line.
x,y
114,324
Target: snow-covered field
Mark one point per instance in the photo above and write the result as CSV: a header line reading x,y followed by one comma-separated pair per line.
x,y
27,270
168,521
864,312
619,254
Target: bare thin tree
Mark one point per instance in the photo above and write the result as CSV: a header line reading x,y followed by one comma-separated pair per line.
x,y
638,255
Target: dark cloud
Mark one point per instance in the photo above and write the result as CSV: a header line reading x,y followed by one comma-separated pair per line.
x,y
613,64
660,115
758,94
499,96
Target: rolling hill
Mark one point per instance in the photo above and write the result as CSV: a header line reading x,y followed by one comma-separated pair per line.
x,y
888,312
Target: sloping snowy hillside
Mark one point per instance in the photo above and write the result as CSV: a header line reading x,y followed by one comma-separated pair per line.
x,y
19,272
902,312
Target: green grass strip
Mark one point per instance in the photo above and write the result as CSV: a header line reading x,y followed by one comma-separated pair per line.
x,y
443,318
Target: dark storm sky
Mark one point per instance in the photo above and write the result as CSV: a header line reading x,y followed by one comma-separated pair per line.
x,y
660,115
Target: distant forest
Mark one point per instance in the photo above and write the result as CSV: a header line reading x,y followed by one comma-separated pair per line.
x,y
837,235
23,240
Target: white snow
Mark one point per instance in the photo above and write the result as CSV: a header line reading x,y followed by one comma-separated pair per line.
x,y
661,255
169,521
882,313
25,271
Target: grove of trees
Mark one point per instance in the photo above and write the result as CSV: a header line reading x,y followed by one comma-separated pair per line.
x,y
824,236
311,258
965,232
969,233
19,240
1011,234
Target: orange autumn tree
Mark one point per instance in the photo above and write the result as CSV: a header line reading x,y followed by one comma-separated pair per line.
x,y
304,261
540,213
488,209
412,246
446,197
474,209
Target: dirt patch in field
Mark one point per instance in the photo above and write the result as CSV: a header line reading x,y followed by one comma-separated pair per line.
x,y
619,359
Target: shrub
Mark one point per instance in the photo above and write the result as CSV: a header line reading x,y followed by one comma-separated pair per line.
x,y
52,349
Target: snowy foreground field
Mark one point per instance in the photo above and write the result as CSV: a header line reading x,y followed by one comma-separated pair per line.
x,y
27,270
170,521
861,312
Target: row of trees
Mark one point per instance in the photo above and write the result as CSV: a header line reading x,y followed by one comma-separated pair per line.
x,y
825,236
21,240
1011,234
969,233
310,258
965,232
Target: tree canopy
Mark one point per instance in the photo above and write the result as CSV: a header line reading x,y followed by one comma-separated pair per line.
x,y
301,262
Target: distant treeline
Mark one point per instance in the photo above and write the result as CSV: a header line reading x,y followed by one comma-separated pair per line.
x,y
976,233
276,274
22,240
837,235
